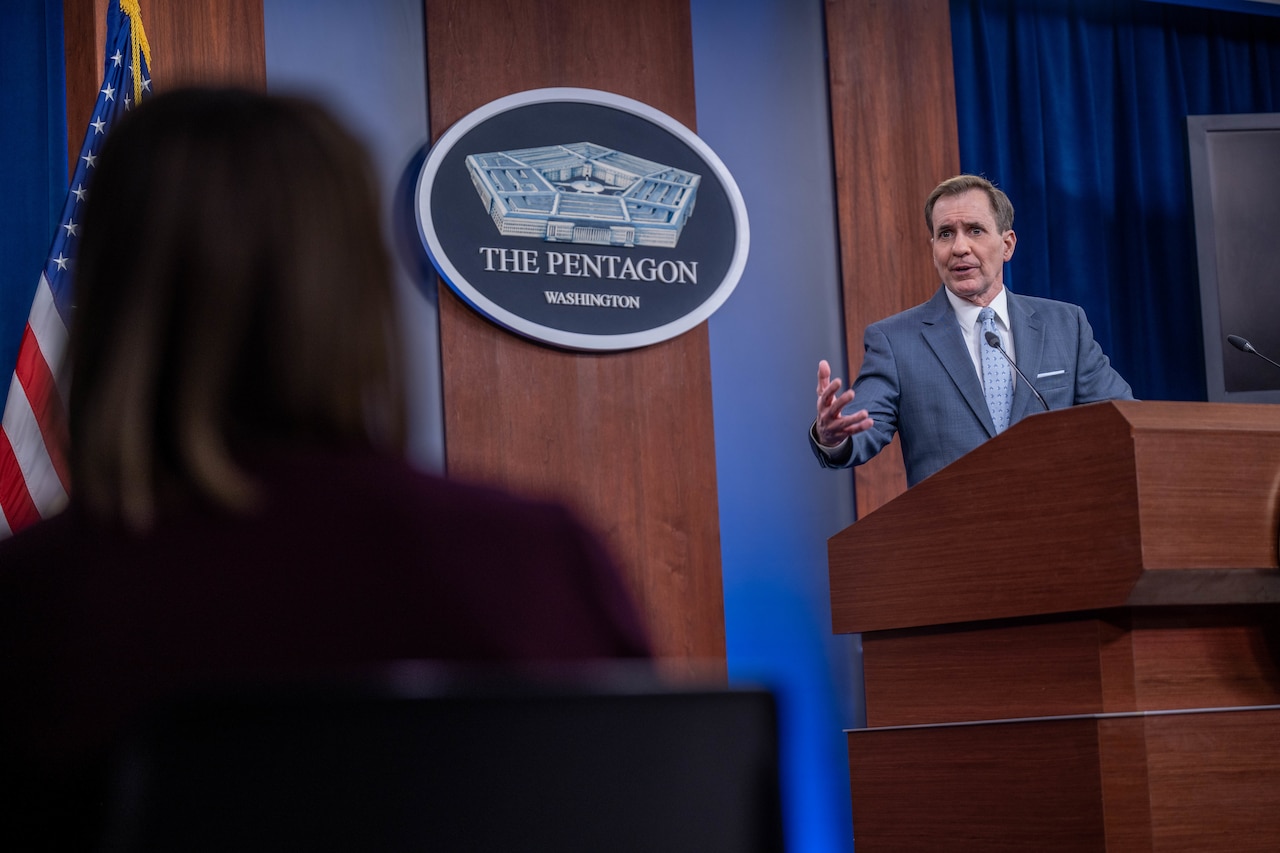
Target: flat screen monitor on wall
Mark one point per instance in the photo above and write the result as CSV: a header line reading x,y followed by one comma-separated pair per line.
x,y
1235,183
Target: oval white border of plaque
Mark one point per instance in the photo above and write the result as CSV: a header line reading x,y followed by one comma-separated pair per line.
x,y
559,337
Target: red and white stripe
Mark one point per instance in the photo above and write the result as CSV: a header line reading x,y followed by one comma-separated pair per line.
x,y
34,479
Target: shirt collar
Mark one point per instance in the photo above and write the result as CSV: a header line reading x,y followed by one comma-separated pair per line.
x,y
967,313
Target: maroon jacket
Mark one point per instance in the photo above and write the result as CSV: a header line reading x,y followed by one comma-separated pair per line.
x,y
352,560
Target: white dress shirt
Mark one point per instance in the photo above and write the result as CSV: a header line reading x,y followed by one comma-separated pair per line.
x,y
967,316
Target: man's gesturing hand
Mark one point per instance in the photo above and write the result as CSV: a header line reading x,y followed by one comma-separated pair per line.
x,y
833,427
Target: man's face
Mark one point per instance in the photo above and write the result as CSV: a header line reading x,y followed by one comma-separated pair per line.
x,y
968,249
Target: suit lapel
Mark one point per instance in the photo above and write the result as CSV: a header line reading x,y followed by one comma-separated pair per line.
x,y
942,334
1028,343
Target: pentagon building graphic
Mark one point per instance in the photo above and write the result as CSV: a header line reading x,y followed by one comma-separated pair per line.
x,y
584,193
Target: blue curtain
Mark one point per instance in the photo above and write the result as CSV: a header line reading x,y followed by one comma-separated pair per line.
x,y
1077,109
33,158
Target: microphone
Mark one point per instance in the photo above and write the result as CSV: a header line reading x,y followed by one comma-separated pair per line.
x,y
1244,346
993,340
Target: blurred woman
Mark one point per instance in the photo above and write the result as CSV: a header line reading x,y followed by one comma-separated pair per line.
x,y
240,503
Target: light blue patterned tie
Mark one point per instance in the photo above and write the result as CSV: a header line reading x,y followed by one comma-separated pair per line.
x,y
997,378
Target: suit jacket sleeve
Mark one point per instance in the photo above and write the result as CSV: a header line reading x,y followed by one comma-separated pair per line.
x,y
1096,379
876,390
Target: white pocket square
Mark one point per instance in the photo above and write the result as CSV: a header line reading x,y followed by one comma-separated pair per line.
x,y
1050,373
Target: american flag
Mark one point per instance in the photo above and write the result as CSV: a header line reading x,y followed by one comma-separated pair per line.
x,y
34,481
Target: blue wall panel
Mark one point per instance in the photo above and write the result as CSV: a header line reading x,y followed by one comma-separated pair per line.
x,y
761,78
368,62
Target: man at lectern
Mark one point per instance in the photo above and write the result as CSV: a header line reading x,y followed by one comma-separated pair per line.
x,y
951,373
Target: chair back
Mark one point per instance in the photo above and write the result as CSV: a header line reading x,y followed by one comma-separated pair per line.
x,y
479,768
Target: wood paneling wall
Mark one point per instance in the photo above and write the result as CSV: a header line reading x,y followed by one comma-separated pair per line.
x,y
192,41
206,42
624,438
84,25
893,118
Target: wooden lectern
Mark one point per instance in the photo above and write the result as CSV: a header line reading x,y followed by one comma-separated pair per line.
x,y
1068,638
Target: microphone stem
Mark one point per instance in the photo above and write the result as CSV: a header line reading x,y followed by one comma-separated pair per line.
x,y
1263,357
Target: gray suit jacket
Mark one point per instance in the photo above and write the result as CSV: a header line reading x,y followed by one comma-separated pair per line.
x,y
918,380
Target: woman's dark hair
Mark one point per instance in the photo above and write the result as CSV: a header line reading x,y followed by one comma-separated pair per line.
x,y
233,292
